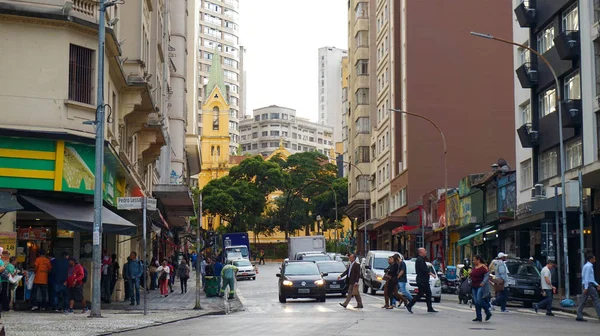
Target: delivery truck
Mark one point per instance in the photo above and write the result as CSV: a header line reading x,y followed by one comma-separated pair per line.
x,y
299,245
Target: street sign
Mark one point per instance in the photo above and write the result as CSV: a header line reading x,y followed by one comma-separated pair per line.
x,y
132,203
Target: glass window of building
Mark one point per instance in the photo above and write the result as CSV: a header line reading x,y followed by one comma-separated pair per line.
x,y
545,39
265,133
212,6
526,180
362,10
547,102
211,31
231,13
574,154
362,154
570,20
230,38
212,19
525,113
254,135
231,25
257,118
573,87
363,125
274,133
215,118
362,38
254,146
362,67
232,87
548,164
274,115
230,62
362,96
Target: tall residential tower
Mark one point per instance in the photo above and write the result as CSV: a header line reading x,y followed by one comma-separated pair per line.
x,y
330,89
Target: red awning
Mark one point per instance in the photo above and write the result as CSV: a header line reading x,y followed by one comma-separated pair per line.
x,y
404,228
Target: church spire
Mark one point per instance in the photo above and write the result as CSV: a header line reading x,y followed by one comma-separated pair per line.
x,y
215,77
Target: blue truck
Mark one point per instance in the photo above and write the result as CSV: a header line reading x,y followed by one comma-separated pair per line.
x,y
236,244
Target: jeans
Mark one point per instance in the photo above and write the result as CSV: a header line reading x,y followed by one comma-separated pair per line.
x,y
547,301
134,294
183,282
405,292
34,292
501,299
480,302
154,280
592,293
105,287
61,291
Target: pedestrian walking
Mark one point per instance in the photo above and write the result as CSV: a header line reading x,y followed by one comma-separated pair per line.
x,y
60,272
105,277
153,274
40,281
590,287
126,280
548,289
228,275
261,257
480,288
391,285
500,280
423,276
164,278
402,279
134,271
74,282
352,274
183,272
218,270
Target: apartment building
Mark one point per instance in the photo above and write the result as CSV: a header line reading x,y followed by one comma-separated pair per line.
x,y
272,127
218,32
344,81
566,33
48,104
330,89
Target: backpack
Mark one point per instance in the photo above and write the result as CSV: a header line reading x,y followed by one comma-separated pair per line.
x,y
85,275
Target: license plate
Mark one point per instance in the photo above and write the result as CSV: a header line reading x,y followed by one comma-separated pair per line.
x,y
244,273
511,282
334,286
303,291
529,292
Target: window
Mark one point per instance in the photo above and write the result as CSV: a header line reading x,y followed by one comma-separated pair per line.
x,y
526,180
80,74
362,10
400,199
294,135
524,55
254,146
363,126
230,38
362,67
274,115
233,125
230,62
208,55
274,133
574,154
265,133
573,87
570,20
212,19
361,154
264,116
211,31
362,38
257,118
294,147
284,133
362,96
545,39
547,102
230,75
525,113
264,144
215,118
362,181
548,164
254,135
231,13
232,87
212,6
491,198
273,144
233,100
231,25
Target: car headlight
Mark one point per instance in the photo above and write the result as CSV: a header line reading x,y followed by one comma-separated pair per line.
x,y
379,278
320,282
287,283
438,283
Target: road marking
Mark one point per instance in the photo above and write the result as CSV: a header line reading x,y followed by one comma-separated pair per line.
x,y
324,309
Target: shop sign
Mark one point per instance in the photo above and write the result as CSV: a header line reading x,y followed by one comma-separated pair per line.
x,y
478,240
8,240
523,209
33,234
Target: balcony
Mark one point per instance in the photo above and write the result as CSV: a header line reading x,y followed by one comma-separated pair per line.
x,y
571,113
529,137
568,44
528,75
526,14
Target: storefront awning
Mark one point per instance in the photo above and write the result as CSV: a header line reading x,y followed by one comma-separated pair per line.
x,y
80,216
8,202
467,239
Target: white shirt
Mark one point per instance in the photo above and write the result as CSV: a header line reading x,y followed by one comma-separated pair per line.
x,y
350,269
546,274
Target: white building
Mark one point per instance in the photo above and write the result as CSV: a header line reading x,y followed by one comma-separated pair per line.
x,y
270,127
219,32
330,89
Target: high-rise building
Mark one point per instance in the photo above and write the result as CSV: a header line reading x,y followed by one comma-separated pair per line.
x,y
566,33
330,89
219,33
407,55
274,126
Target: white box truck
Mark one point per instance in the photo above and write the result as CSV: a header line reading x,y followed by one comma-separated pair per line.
x,y
298,245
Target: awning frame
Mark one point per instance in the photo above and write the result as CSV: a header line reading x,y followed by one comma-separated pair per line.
x,y
467,239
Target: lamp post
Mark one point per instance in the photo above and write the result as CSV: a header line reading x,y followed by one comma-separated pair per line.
x,y
561,149
446,218
318,224
364,204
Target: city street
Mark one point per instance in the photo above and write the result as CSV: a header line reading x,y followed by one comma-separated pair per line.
x,y
264,315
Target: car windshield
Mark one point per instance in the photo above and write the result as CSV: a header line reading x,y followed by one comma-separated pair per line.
x,y
241,263
381,263
332,267
301,269
520,268
315,257
243,250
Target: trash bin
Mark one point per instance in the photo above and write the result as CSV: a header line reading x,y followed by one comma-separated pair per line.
x,y
212,286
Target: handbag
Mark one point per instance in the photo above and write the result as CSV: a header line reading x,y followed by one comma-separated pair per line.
x,y
498,284
163,276
152,269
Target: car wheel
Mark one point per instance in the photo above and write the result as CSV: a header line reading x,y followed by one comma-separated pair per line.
x,y
323,298
528,304
253,278
437,300
365,288
282,298
373,291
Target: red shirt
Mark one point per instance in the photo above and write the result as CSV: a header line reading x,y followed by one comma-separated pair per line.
x,y
75,276
477,275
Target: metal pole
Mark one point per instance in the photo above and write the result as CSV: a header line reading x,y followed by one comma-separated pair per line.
x,y
557,230
145,207
561,148
98,171
581,243
198,277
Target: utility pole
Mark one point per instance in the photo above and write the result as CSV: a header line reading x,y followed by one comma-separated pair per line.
x,y
198,277
145,207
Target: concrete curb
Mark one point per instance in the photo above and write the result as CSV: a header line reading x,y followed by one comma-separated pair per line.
x,y
571,311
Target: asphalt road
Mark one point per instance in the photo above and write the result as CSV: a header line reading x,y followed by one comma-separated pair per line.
x,y
264,315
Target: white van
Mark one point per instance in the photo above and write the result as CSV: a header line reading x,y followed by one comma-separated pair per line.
x,y
372,269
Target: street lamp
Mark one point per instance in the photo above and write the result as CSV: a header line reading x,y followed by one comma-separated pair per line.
x,y
561,148
318,225
446,218
364,204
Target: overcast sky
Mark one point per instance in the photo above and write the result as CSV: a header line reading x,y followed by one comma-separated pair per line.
x,y
282,38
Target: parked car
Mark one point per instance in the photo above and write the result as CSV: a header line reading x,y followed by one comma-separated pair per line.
x,y
372,269
524,282
245,269
434,282
301,279
333,269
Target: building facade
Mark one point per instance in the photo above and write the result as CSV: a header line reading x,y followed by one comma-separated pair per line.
x,y
47,154
218,32
272,126
330,89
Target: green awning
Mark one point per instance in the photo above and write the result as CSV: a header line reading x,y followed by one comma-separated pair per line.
x,y
467,239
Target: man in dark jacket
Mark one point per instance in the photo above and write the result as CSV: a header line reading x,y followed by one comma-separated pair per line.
x,y
423,275
59,273
352,274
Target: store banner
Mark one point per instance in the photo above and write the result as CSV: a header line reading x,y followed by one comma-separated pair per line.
x,y
8,241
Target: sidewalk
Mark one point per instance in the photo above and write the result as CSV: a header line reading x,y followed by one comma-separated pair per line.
x,y
119,316
588,310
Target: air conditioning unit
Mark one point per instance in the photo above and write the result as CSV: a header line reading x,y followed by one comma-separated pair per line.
x,y
538,192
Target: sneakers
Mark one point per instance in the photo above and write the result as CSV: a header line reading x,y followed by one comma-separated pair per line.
x,y
580,319
85,310
549,314
488,316
409,308
35,308
536,308
69,311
